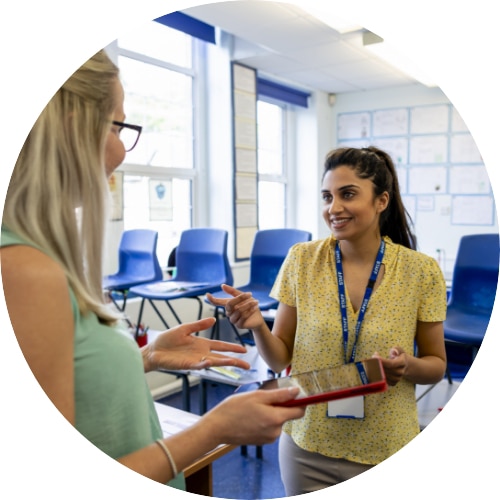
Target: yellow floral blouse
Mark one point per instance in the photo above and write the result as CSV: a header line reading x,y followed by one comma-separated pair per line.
x,y
412,289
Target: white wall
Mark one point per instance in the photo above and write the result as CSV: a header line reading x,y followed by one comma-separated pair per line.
x,y
433,228
312,136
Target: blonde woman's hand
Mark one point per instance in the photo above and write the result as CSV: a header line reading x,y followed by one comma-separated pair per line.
x,y
252,418
179,349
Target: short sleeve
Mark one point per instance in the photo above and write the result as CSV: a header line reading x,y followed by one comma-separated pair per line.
x,y
433,303
285,286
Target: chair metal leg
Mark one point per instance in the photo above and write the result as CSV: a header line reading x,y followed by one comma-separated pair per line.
x,y
124,293
139,317
258,451
159,314
186,388
218,311
448,375
186,396
426,392
215,332
172,310
202,395
237,334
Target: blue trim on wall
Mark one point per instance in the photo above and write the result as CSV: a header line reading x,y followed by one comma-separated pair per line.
x,y
281,92
188,25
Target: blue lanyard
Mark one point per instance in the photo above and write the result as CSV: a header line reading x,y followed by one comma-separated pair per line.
x,y
364,304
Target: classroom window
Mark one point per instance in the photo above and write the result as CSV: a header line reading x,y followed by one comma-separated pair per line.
x,y
160,100
271,164
157,71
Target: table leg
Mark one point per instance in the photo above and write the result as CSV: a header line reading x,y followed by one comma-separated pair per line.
x,y
203,396
200,482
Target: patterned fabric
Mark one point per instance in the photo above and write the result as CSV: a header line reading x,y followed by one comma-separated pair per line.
x,y
114,408
413,288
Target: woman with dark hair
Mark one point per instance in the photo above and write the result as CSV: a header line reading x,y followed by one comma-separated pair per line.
x,y
364,291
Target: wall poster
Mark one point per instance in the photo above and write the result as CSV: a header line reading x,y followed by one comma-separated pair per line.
x,y
244,98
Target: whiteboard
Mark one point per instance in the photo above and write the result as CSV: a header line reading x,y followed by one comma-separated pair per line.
x,y
429,119
410,204
457,122
402,179
464,149
354,126
427,180
443,181
472,210
388,122
469,180
429,149
354,143
396,147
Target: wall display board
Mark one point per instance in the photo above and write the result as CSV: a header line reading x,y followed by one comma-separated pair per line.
x,y
244,98
161,205
443,180
115,182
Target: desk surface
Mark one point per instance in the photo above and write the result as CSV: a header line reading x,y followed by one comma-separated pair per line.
x,y
258,370
173,420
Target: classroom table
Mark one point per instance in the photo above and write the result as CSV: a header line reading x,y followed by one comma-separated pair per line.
x,y
258,371
198,475
230,376
233,376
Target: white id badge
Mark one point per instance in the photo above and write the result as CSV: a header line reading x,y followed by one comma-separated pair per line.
x,y
347,408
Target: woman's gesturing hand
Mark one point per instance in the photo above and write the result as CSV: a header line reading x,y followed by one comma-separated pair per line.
x,y
179,349
242,310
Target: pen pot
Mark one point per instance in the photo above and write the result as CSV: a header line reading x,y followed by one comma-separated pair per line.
x,y
142,339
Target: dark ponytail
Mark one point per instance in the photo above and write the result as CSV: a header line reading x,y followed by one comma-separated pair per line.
x,y
374,164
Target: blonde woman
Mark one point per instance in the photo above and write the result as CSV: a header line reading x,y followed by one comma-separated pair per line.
x,y
51,254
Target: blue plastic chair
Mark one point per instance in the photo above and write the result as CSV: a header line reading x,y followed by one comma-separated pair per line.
x,y
202,265
137,264
269,249
474,285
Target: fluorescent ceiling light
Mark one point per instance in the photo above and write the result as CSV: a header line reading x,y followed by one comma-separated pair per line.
x,y
380,48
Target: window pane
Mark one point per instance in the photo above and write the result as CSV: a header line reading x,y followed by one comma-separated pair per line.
x,y
271,205
270,138
136,207
158,41
161,101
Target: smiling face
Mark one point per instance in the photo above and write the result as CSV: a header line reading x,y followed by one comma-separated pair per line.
x,y
350,208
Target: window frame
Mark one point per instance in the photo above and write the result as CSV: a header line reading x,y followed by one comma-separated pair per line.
x,y
284,177
197,199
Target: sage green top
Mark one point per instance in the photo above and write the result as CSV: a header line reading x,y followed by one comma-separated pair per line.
x,y
114,408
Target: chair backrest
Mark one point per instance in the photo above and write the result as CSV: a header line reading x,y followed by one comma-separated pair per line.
x,y
270,247
475,275
202,257
137,255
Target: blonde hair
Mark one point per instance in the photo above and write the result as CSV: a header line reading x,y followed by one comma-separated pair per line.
x,y
61,168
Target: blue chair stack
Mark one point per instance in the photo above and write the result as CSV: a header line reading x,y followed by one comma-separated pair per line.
x,y
202,265
137,264
474,285
269,249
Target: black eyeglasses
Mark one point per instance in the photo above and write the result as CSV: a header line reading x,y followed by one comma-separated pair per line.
x,y
129,134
